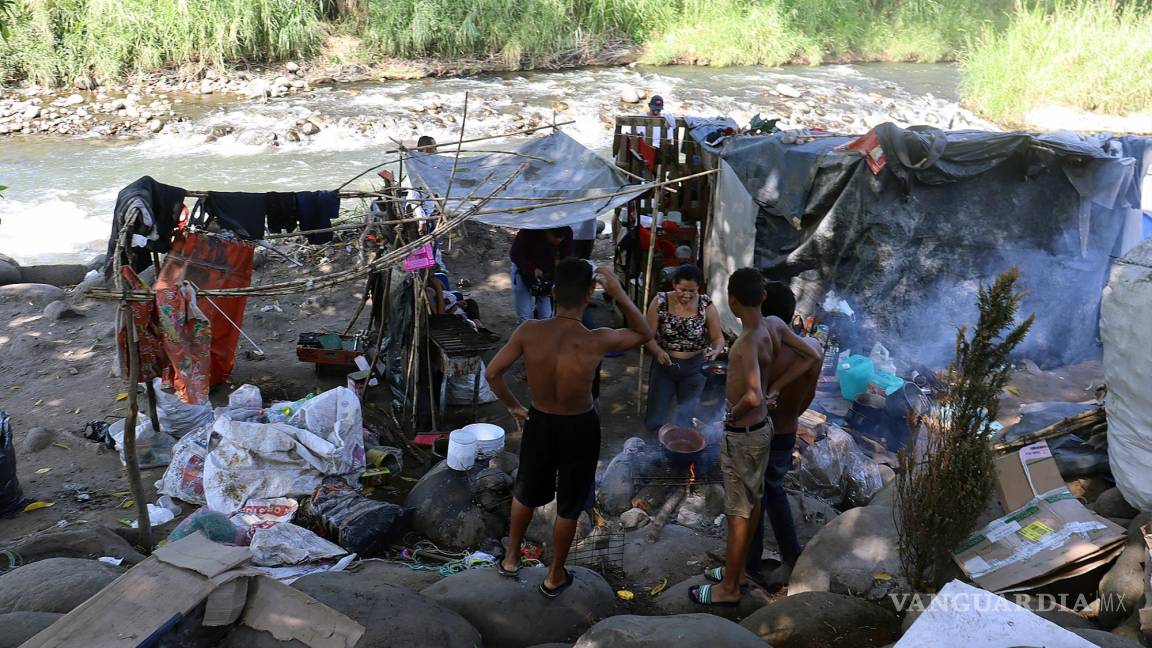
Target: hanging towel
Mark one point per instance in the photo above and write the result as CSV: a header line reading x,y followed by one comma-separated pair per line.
x,y
243,213
317,210
282,213
159,206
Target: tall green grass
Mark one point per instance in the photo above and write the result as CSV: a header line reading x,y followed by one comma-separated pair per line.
x,y
1093,56
53,41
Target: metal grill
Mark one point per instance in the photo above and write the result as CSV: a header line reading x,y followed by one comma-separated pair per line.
x,y
661,471
453,336
602,551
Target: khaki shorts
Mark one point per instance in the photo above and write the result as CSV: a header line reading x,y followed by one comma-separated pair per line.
x,y
743,461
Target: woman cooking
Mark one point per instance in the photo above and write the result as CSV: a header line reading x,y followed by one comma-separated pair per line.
x,y
688,334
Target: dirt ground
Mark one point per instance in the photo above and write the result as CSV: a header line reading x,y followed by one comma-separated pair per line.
x,y
57,376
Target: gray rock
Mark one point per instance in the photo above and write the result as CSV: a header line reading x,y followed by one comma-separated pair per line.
x,y
155,125
789,91
1087,489
84,82
256,89
886,496
391,615
630,95
684,630
54,275
80,541
445,513
54,584
291,66
680,553
675,600
36,440
617,486
1111,504
22,626
35,293
845,556
505,462
540,531
59,310
382,571
96,263
1106,639
256,138
819,619
30,113
634,518
9,274
221,130
308,128
478,594
1122,587
73,100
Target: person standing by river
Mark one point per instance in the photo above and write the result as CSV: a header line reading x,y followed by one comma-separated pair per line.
x,y
688,334
534,256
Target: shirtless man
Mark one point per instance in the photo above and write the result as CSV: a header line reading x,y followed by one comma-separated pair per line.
x,y
795,397
560,445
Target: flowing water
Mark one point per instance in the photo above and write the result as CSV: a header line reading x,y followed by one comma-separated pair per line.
x,y
58,206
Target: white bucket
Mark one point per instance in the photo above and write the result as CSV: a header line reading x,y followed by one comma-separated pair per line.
x,y
461,450
489,439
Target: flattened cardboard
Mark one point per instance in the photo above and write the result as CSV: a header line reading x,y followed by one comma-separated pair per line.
x,y
288,614
1051,538
226,602
201,555
1026,474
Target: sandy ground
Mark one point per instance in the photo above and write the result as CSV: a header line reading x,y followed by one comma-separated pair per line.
x,y
57,376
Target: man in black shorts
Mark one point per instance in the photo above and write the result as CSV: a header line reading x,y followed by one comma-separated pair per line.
x,y
560,445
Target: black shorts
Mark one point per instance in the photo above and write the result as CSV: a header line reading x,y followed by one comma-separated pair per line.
x,y
558,457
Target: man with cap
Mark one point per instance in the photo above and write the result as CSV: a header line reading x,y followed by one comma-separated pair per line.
x,y
656,109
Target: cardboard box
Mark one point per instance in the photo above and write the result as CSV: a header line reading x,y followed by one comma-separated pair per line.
x,y
1051,538
1025,475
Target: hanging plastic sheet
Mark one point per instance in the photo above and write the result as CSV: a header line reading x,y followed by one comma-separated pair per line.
x,y
211,262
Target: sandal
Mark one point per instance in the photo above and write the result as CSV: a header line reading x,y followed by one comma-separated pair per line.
x,y
554,592
702,595
716,575
507,573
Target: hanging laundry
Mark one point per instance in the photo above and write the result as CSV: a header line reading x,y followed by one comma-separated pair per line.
x,y
647,153
187,335
158,206
153,358
282,212
209,262
317,210
241,212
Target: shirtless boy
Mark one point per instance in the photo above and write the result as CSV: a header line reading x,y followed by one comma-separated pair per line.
x,y
795,397
560,445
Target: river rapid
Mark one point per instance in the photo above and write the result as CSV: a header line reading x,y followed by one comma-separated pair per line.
x,y
58,207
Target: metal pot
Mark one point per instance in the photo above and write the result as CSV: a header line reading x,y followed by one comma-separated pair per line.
x,y
714,368
682,445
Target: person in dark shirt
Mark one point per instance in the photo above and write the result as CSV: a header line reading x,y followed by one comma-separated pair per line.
x,y
534,255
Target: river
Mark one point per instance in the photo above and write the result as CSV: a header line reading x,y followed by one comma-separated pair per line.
x,y
58,206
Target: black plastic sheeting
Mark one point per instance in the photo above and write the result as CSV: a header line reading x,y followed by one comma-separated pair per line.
x,y
908,247
11,495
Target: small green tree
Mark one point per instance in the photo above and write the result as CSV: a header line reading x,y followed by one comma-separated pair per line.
x,y
947,474
7,14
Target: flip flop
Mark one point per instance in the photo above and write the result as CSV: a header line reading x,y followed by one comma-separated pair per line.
x,y
507,573
554,592
702,595
716,575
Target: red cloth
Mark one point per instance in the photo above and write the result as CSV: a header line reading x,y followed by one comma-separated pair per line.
x,y
211,262
153,357
646,151
187,337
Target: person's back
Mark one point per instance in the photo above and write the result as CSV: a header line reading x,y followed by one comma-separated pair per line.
x,y
561,357
796,370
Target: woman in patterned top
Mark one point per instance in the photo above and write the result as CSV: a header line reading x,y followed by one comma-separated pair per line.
x,y
688,334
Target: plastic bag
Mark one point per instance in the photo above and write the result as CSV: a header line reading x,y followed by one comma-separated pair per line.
x,y
246,397
176,417
361,525
618,484
11,495
184,478
264,514
460,389
835,469
215,525
153,449
882,359
288,544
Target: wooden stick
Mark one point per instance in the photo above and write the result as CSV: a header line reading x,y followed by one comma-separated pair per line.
x,y
152,405
648,284
131,461
671,503
1070,425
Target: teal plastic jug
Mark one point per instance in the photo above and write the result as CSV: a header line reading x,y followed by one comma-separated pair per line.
x,y
854,374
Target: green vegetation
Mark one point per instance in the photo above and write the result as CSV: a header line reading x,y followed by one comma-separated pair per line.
x,y
1089,54
1094,56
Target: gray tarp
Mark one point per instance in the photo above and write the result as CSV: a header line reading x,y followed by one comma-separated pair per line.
x,y
557,167
908,247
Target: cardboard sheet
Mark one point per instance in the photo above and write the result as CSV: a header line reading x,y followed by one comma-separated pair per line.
x,y
201,555
1051,538
1026,474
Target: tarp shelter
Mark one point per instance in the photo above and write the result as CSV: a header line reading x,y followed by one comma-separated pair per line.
x,y
908,245
556,168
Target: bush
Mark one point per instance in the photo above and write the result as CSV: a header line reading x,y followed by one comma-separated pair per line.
x,y
947,474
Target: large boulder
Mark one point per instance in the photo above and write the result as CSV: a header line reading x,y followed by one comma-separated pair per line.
x,y
54,275
484,597
54,584
35,293
9,274
19,627
820,619
810,514
680,553
618,484
446,512
84,541
391,615
850,555
383,571
1106,639
1111,504
682,631
675,600
1122,587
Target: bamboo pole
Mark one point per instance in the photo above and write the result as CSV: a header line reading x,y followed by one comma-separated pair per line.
x,y
648,283
131,461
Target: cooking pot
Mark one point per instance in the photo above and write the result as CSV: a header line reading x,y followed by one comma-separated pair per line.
x,y
682,445
714,368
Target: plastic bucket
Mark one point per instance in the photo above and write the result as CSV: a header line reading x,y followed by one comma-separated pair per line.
x,y
461,450
854,374
489,439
